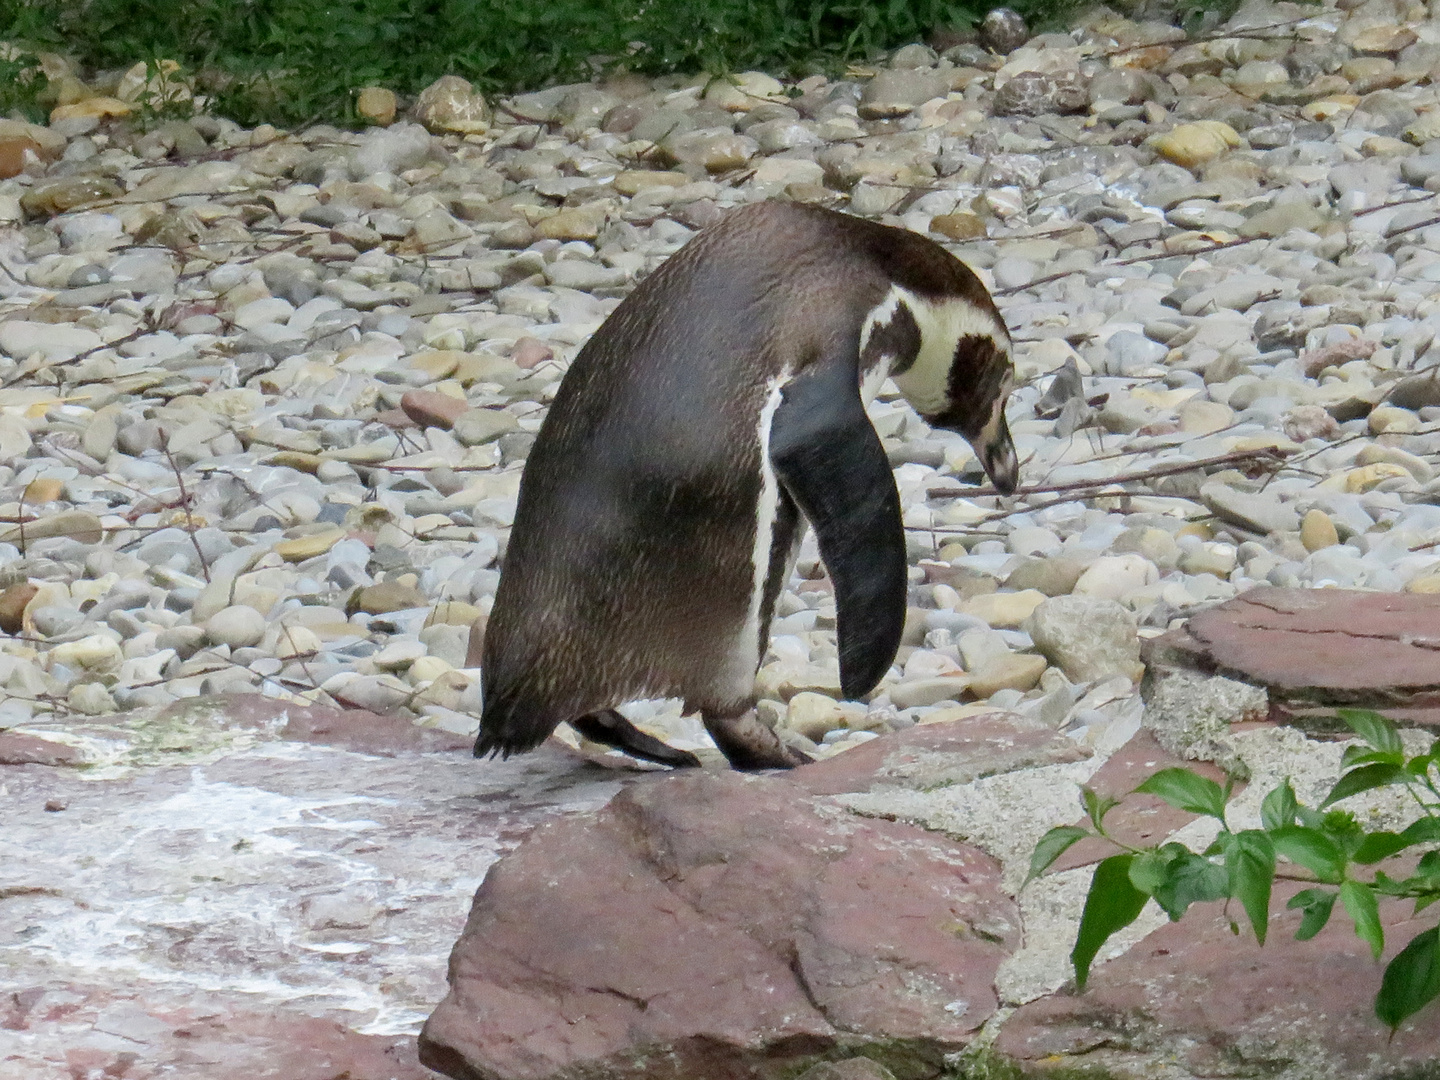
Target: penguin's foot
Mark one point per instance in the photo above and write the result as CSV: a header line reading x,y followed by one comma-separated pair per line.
x,y
748,744
609,727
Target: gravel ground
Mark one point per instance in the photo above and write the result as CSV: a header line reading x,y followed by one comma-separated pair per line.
x,y
265,396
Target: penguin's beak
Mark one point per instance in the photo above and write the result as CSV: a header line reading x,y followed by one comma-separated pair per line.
x,y
996,451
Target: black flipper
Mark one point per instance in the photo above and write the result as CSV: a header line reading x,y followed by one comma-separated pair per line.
x,y
830,460
612,729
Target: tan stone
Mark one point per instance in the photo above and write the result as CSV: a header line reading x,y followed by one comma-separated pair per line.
x,y
79,525
453,613
12,606
1358,481
1205,417
44,489
1429,585
572,223
958,226
1318,531
1196,143
99,107
1004,610
377,104
634,181
1014,671
812,715
307,547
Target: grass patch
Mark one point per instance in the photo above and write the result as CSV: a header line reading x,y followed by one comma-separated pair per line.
x,y
291,61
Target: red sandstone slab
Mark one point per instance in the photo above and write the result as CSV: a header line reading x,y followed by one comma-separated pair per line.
x,y
1343,642
928,756
721,926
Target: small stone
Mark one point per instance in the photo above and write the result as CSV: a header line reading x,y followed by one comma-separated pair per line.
x,y
1262,514
1359,481
308,547
897,91
1205,417
98,107
297,641
812,715
1191,145
1116,576
91,699
237,626
1086,637
1038,93
1391,418
13,155
431,409
43,490
573,223
1054,576
13,602
634,181
958,226
1309,422
917,693
1004,610
1318,531
450,103
1016,671
385,597
1004,30
453,613
80,525
530,353
94,653
477,427
715,150
376,104
398,655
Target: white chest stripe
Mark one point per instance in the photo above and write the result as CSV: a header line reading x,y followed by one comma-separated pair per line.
x,y
746,650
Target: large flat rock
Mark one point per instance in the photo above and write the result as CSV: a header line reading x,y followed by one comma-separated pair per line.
x,y
1314,649
722,926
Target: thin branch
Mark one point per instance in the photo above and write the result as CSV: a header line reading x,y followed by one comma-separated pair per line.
x,y
1270,455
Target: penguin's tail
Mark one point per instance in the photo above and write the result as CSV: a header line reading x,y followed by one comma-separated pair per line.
x,y
510,724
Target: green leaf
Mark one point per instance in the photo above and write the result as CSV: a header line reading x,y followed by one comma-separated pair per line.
x,y
1280,807
1150,870
1311,849
1363,755
1424,831
1364,779
1373,728
1359,901
1192,879
1187,791
1380,845
1250,861
1097,806
1419,766
1318,903
1411,980
1112,904
1051,846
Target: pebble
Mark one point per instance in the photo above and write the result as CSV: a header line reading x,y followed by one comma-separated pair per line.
x,y
1087,638
1318,531
236,626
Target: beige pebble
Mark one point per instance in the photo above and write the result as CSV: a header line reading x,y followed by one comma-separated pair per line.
x,y
1014,671
1318,531
376,104
1004,610
1195,144
307,547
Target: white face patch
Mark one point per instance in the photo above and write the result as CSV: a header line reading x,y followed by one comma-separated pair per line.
x,y
943,325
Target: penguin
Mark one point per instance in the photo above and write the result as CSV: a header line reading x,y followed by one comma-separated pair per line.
x,y
717,412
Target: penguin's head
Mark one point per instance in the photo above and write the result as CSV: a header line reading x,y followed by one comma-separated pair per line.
x,y
951,360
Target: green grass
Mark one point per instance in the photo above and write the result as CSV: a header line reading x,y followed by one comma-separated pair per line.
x,y
292,61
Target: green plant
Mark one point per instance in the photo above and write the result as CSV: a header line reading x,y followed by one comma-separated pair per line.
x,y
291,61
1327,849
